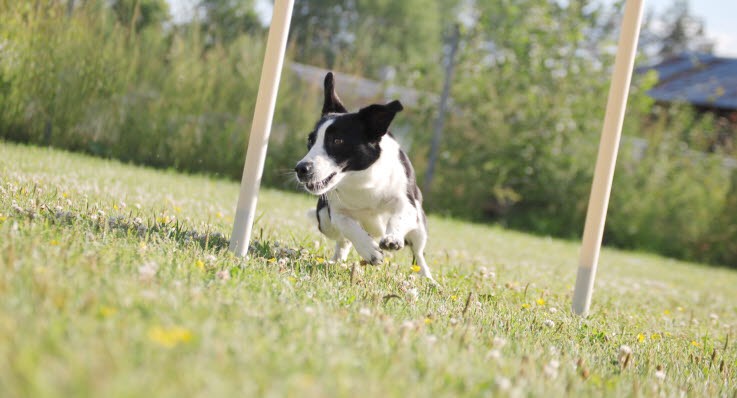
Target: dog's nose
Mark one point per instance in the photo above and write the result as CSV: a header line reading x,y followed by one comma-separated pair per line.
x,y
304,170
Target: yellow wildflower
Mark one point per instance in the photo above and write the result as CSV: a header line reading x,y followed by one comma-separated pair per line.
x,y
540,301
525,305
107,311
200,264
655,336
415,268
641,337
169,337
695,343
428,321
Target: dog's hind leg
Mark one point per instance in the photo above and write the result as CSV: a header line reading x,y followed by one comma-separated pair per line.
x,y
417,239
342,247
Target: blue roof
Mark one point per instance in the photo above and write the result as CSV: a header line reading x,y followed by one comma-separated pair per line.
x,y
699,79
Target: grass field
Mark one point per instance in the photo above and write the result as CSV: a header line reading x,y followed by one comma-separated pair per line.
x,y
115,281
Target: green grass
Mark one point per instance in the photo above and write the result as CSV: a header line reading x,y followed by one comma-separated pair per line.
x,y
107,290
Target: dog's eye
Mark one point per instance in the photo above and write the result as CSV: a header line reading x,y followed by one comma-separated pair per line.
x,y
337,141
310,142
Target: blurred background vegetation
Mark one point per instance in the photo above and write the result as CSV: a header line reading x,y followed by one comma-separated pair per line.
x,y
120,79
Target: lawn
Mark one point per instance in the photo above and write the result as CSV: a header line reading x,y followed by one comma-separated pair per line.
x,y
115,281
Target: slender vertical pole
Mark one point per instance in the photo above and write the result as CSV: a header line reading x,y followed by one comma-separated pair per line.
x,y
261,126
607,158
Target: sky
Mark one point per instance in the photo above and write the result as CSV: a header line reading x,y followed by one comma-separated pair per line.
x,y
719,16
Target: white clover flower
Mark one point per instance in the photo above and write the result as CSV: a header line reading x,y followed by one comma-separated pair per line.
x,y
503,383
549,323
413,293
660,373
494,354
223,275
147,270
551,369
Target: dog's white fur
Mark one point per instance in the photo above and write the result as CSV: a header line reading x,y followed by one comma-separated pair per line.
x,y
367,205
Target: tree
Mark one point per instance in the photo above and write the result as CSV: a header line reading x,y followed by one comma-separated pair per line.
x,y
140,14
225,20
675,31
370,36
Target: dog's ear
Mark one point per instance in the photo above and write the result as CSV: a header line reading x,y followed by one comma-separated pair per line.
x,y
379,117
332,103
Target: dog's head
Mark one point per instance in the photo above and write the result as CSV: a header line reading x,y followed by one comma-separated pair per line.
x,y
342,142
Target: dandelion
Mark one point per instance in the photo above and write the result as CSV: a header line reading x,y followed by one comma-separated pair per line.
x,y
428,321
169,337
540,301
525,305
319,260
271,260
415,268
107,311
549,323
655,336
695,343
200,264
640,338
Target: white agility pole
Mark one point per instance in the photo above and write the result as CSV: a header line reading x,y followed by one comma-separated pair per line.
x,y
261,126
607,158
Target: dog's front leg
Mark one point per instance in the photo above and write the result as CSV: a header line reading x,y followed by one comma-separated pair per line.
x,y
362,241
399,225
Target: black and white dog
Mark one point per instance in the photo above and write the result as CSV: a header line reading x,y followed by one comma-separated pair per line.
x,y
365,182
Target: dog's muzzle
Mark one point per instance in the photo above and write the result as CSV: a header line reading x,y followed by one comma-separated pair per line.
x,y
304,171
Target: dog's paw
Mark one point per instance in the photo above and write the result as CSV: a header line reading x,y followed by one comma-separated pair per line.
x,y
371,254
390,242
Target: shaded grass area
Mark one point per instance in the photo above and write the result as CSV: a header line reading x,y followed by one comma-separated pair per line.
x,y
115,281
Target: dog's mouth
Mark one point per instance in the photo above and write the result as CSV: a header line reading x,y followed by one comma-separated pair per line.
x,y
317,186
